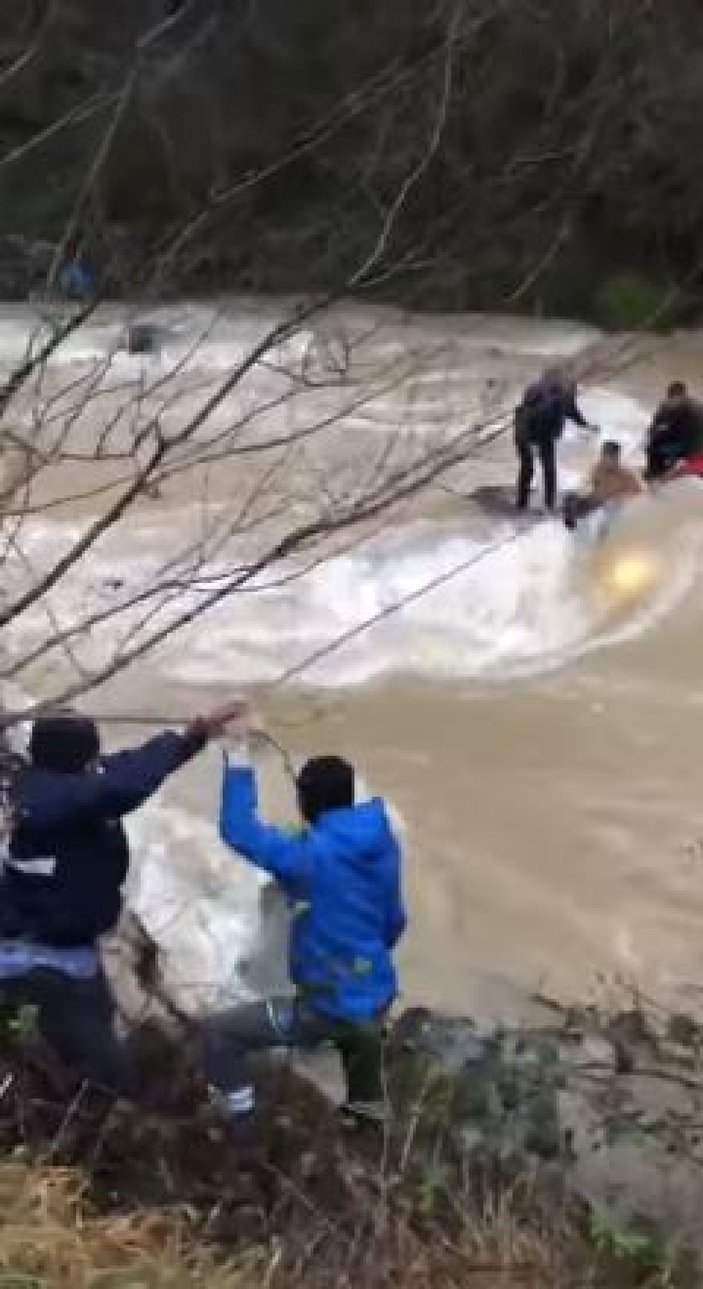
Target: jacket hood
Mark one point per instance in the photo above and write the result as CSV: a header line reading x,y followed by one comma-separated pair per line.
x,y
363,830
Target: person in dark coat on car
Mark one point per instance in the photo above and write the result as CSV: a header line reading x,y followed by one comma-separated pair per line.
x,y
545,408
676,432
66,858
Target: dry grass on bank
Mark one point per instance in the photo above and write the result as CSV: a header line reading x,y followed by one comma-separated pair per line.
x,y
52,1238
95,1195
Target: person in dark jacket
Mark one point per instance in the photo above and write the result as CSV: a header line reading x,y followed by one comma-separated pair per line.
x,y
539,423
676,432
65,861
342,877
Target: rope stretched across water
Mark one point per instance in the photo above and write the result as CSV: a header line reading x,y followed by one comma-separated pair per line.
x,y
296,670
149,964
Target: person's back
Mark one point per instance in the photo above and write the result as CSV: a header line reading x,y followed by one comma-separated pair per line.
x,y
676,431
342,876
539,422
341,944
610,479
68,855
64,861
539,413
76,895
546,406
684,417
344,872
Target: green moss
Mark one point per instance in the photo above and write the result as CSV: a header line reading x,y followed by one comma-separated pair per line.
x,y
630,301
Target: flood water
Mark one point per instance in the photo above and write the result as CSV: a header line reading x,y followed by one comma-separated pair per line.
x,y
536,726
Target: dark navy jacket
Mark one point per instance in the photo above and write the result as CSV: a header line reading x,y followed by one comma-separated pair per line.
x,y
342,877
69,855
678,424
545,408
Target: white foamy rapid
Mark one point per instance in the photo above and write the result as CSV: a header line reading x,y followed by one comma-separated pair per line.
x,y
513,602
215,336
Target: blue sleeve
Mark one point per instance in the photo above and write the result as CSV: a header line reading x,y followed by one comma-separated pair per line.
x,y
287,859
125,781
396,918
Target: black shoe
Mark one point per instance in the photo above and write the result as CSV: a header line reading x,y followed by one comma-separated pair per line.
x,y
570,510
377,1113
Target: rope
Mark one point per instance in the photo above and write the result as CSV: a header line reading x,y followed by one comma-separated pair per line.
x,y
8,719
294,672
298,669
148,971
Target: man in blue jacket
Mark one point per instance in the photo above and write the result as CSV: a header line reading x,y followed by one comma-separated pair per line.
x,y
64,863
342,877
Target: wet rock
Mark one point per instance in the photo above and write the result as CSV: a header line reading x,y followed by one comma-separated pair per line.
x,y
558,1103
677,1054
454,1042
631,1028
684,1031
596,1056
492,1094
144,338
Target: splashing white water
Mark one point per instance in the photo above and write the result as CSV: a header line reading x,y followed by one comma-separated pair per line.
x,y
520,608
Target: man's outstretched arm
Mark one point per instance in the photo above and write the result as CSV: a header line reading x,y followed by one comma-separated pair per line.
x,y
123,782
573,413
287,858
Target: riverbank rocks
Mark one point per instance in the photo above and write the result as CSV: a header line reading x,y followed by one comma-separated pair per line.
x,y
611,1123
491,1093
144,338
600,1111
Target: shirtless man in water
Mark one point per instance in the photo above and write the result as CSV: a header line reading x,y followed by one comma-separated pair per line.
x,y
610,481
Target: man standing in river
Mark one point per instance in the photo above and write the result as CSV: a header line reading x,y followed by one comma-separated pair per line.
x,y
539,423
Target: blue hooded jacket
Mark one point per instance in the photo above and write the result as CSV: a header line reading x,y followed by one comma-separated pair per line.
x,y
343,878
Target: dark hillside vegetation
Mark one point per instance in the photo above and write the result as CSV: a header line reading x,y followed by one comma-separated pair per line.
x,y
537,155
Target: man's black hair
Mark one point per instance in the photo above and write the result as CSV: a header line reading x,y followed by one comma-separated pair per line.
x,y
325,783
64,742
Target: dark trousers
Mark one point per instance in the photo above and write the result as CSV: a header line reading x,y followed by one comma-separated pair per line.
x,y
284,1022
577,507
76,1018
547,452
664,450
